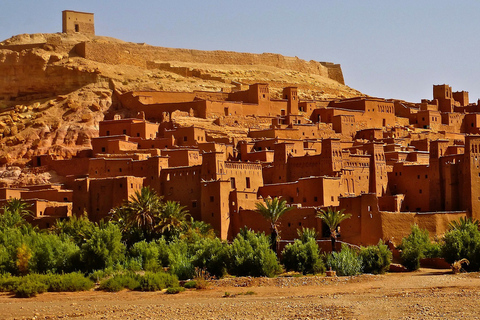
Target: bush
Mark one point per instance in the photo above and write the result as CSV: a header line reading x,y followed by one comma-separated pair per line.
x,y
157,281
345,262
211,255
306,234
175,290
119,282
180,260
99,275
414,247
463,243
433,250
8,283
376,259
29,288
69,282
190,284
104,248
146,254
51,253
303,257
250,255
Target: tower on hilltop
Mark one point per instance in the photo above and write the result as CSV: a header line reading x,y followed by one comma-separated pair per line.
x,y
81,22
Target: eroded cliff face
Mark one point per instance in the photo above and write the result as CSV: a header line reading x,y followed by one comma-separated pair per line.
x,y
36,73
53,93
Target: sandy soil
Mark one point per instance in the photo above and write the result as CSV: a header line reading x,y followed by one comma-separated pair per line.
x,y
426,294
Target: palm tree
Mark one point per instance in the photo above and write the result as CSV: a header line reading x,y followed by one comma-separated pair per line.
x,y
273,210
18,206
141,212
14,213
332,219
463,223
173,217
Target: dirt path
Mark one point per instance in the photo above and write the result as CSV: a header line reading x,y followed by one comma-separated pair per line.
x,y
426,294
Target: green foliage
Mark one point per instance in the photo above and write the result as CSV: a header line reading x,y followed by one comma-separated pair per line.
x,y
250,255
272,211
190,284
99,275
172,219
433,250
211,255
9,219
303,257
345,263
10,240
414,247
50,253
17,207
29,287
463,223
333,218
462,243
104,248
139,216
68,282
157,281
33,284
150,281
120,281
79,229
305,234
175,290
180,260
376,259
147,254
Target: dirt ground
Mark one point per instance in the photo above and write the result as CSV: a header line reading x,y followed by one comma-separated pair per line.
x,y
425,294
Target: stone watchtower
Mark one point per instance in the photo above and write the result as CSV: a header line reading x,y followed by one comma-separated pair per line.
x,y
81,22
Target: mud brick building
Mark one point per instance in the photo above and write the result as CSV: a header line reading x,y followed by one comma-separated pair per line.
x,y
389,163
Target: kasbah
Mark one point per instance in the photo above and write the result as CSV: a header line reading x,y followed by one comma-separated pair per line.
x,y
389,163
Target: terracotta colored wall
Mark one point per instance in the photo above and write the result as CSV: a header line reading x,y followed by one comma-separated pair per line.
x,y
138,55
108,193
73,21
183,185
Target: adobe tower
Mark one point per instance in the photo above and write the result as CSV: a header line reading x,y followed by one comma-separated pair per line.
x,y
81,22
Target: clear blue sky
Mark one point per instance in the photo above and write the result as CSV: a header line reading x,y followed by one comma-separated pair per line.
x,y
390,49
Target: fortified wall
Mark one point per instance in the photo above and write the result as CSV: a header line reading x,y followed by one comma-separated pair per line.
x,y
142,55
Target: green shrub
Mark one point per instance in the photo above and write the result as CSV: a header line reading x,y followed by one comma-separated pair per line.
x,y
345,262
120,281
104,248
157,281
147,255
51,253
211,255
250,255
414,247
8,282
305,234
98,275
376,259
29,287
10,240
175,290
463,243
68,282
433,250
303,257
180,260
190,284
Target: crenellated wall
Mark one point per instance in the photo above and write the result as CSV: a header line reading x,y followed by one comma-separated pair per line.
x,y
144,55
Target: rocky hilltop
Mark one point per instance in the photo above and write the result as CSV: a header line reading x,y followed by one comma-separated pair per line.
x,y
55,88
